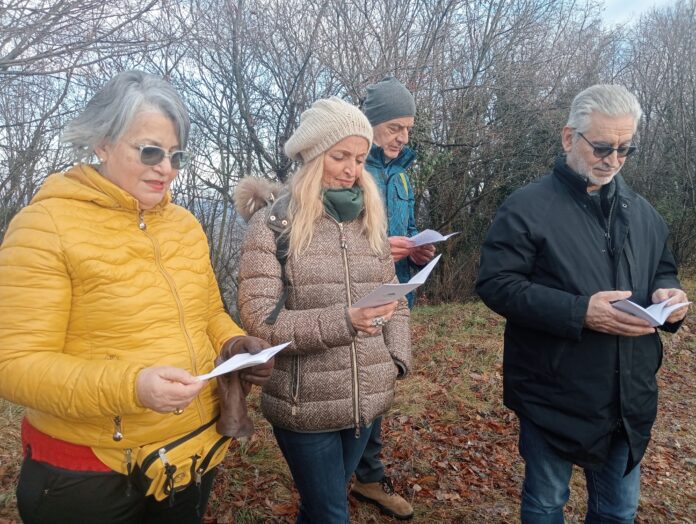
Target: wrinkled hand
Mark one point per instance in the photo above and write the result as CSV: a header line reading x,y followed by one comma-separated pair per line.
x,y
421,255
602,316
400,247
165,388
676,296
259,374
362,317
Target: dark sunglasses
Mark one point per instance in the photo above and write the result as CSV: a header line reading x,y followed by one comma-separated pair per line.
x,y
605,151
153,155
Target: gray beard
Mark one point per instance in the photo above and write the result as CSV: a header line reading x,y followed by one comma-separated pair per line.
x,y
585,170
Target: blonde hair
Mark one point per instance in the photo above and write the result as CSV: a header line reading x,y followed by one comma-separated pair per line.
x,y
306,207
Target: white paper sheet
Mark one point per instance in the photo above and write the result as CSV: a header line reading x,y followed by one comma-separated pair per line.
x,y
428,236
243,360
655,314
389,292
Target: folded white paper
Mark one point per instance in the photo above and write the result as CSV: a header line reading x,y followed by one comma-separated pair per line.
x,y
390,292
243,360
656,314
428,236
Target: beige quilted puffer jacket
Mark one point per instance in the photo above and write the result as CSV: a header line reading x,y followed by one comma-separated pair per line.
x,y
329,378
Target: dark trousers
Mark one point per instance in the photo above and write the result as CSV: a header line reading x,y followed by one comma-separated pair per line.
x,y
50,495
370,468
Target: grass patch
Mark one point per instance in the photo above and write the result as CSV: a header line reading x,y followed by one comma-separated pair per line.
x,y
450,445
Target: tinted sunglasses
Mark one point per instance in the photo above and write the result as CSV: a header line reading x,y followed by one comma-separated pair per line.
x,y
605,151
153,155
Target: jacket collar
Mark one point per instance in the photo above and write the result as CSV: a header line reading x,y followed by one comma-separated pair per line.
x,y
117,197
377,158
625,198
82,182
578,184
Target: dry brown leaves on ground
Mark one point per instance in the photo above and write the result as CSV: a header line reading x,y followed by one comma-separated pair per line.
x,y
450,445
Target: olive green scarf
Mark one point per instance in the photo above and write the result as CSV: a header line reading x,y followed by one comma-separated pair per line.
x,y
343,204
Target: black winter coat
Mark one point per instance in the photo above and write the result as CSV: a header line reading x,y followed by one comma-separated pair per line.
x,y
545,254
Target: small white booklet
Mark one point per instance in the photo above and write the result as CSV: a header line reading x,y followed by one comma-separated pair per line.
x,y
243,360
390,292
428,236
656,314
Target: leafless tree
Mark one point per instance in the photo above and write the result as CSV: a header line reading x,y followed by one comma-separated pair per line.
x,y
493,81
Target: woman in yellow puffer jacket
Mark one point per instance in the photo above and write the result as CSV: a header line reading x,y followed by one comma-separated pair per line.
x,y
109,309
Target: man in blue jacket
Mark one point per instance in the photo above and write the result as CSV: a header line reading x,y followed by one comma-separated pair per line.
x,y
579,373
391,110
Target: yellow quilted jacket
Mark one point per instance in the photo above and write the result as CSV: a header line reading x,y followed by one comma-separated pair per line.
x,y
93,290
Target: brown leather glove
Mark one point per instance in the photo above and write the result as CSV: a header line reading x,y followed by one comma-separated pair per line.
x,y
233,387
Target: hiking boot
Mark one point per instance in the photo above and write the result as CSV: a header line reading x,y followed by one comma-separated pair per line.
x,y
382,495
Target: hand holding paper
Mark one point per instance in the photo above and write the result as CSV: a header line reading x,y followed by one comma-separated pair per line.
x,y
428,236
656,314
244,360
389,292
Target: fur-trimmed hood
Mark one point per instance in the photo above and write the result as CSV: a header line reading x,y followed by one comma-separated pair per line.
x,y
254,193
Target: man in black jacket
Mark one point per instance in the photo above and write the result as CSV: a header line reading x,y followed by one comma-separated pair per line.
x,y
579,373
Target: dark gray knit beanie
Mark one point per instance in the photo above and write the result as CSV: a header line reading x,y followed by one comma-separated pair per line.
x,y
386,100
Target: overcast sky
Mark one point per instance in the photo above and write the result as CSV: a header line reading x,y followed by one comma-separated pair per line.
x,y
623,11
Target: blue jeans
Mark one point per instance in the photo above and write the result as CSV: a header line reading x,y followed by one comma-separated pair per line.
x,y
370,468
321,465
612,498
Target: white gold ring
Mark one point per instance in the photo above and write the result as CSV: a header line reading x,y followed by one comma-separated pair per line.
x,y
378,321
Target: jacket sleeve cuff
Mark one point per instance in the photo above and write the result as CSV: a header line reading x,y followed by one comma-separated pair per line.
x,y
349,323
335,328
413,265
577,322
403,370
671,327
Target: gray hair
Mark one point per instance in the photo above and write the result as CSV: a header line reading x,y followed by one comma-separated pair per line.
x,y
111,111
607,99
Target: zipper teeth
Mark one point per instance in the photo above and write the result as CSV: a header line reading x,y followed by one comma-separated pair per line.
x,y
606,227
353,349
296,377
344,249
206,460
152,457
179,305
611,214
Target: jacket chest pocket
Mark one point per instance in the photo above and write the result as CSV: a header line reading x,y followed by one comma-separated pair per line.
x,y
401,185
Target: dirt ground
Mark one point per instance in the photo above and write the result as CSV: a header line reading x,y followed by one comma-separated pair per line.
x,y
450,445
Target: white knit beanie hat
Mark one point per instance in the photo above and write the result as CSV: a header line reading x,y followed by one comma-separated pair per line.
x,y
327,122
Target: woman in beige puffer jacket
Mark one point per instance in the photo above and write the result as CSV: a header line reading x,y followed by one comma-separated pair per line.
x,y
339,372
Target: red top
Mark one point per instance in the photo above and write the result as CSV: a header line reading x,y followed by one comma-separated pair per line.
x,y
58,453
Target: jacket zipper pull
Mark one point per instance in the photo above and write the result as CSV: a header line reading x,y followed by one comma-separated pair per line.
x,y
169,470
357,430
118,435
198,476
342,237
162,452
141,217
127,453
